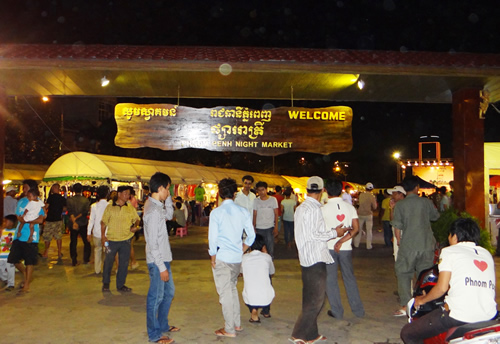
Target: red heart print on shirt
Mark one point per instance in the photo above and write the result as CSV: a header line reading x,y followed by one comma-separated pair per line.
x,y
341,217
481,265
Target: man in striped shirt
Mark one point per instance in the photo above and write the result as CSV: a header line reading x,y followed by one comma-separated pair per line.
x,y
311,236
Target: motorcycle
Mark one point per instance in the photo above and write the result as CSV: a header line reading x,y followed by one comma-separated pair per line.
x,y
473,333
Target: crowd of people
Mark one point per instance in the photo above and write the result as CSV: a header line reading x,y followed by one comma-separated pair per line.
x,y
241,237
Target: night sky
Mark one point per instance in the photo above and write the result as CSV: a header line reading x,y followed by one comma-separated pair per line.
x,y
378,128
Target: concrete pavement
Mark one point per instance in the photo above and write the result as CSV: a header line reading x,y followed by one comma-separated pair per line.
x,y
66,305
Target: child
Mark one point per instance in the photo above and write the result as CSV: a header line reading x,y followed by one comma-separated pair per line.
x,y
7,271
257,267
31,212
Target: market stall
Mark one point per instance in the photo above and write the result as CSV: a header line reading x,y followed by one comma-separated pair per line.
x,y
491,170
96,169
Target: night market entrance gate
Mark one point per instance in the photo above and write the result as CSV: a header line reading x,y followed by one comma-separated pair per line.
x,y
468,81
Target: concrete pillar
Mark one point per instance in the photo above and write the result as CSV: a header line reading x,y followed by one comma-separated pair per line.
x,y
3,122
468,153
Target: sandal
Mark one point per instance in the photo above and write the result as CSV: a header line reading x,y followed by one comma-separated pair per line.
x,y
165,340
105,287
222,333
238,328
268,315
125,289
173,329
297,340
400,312
22,292
319,339
255,321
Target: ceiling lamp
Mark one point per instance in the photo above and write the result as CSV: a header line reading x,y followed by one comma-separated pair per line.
x,y
361,84
104,81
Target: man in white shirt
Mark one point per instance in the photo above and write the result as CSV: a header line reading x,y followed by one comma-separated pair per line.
x,y
338,212
467,276
94,226
311,235
245,197
9,202
265,216
346,196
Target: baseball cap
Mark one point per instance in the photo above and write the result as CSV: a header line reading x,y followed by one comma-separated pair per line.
x,y
369,186
11,188
315,183
398,188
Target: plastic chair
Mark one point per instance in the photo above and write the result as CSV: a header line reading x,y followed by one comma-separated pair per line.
x,y
181,231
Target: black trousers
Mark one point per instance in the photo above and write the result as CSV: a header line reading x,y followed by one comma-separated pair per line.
x,y
172,227
313,297
74,233
430,325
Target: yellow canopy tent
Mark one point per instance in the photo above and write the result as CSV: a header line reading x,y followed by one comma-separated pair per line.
x,y
16,173
491,168
299,184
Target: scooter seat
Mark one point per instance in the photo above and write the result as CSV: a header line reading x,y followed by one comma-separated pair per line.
x,y
482,327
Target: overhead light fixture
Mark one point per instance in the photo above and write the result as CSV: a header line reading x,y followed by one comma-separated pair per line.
x,y
104,81
45,99
361,84
6,181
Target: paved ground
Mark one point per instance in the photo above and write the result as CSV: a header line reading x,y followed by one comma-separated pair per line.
x,y
66,304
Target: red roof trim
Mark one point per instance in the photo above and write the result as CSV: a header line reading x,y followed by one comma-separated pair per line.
x,y
246,55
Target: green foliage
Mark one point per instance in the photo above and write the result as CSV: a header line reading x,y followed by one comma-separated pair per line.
x,y
441,228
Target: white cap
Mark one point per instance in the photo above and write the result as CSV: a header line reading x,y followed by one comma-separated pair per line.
x,y
397,188
369,186
315,183
10,188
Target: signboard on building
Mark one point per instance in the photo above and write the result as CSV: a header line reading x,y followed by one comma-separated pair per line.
x,y
437,175
265,132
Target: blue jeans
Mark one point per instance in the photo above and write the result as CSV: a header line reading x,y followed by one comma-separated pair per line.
x,y
289,228
268,239
158,302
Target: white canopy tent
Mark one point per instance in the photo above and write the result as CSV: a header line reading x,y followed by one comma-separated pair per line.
x,y
87,166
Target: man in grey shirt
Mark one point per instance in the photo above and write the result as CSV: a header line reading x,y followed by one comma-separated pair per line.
x,y
412,217
265,216
158,209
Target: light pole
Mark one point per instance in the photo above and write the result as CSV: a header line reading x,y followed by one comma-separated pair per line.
x,y
397,156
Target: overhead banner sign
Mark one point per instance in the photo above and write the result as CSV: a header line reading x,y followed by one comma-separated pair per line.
x,y
240,129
